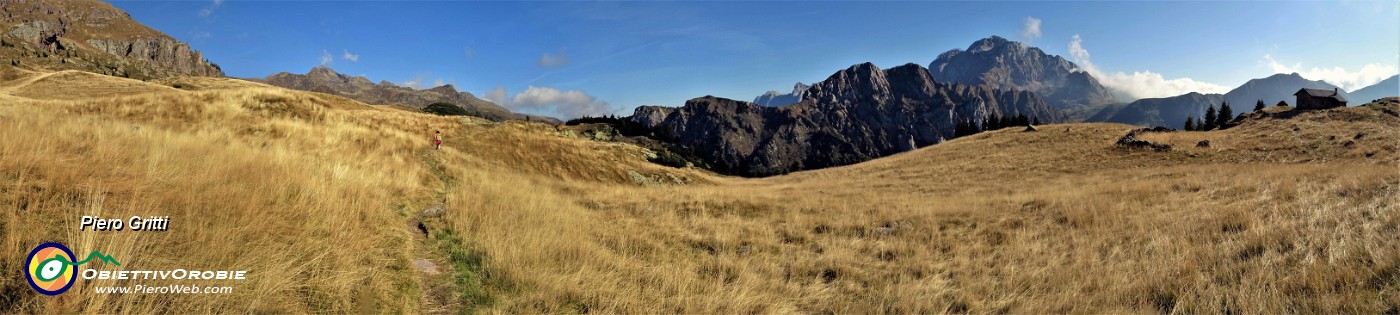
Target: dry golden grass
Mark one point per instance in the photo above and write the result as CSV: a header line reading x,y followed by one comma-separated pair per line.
x,y
73,84
318,197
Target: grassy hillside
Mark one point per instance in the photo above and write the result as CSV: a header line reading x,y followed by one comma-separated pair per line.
x,y
319,197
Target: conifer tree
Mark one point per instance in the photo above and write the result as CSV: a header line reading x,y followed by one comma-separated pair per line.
x,y
1210,119
1225,116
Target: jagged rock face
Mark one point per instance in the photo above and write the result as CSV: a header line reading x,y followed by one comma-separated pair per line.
x,y
651,116
92,36
775,98
326,80
1007,65
163,51
855,115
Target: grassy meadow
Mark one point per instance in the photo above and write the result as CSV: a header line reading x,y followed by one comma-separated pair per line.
x,y
320,199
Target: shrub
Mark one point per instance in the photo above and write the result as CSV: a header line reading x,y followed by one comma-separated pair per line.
x,y
446,109
668,158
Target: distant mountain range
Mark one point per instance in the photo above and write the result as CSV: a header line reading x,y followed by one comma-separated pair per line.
x,y
326,80
775,98
857,114
1008,65
1172,111
93,36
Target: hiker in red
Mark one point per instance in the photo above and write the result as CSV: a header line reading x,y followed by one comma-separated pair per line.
x,y
437,139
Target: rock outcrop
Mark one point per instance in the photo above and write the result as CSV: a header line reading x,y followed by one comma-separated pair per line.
x,y
92,36
857,114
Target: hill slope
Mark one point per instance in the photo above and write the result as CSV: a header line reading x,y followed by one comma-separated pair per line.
x,y
1386,88
93,36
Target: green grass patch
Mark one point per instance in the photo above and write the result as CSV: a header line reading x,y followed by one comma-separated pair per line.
x,y
468,270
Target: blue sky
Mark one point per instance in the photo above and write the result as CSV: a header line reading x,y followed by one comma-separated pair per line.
x,y
571,58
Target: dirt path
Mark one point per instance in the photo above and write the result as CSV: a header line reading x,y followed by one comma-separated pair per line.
x,y
436,274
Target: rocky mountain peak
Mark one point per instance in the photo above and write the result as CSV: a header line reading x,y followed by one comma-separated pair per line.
x,y
1009,65
799,88
988,43
857,83
445,88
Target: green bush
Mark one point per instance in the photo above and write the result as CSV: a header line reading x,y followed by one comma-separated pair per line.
x,y
668,158
446,109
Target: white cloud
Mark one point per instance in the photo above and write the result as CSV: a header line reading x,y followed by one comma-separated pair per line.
x,y
209,10
551,101
1032,30
326,58
350,57
1139,84
1368,75
548,60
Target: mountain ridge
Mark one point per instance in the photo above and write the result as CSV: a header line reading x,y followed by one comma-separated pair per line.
x,y
1386,88
326,80
856,114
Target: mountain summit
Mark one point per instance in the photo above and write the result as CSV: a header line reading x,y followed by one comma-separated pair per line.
x,y
93,36
1009,65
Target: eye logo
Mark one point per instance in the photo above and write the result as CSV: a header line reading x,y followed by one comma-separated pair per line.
x,y
49,269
